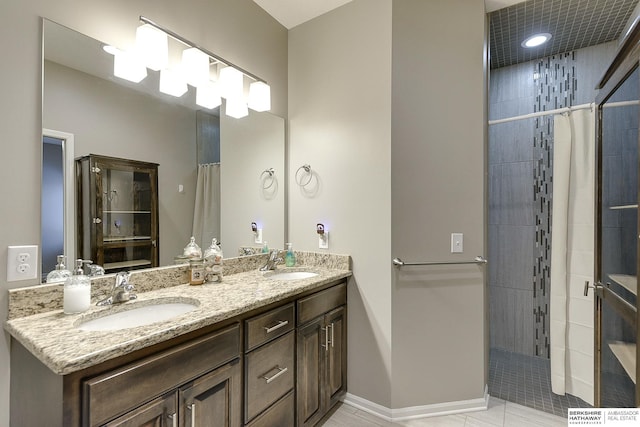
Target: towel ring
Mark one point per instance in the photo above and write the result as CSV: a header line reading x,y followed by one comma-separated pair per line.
x,y
270,172
307,169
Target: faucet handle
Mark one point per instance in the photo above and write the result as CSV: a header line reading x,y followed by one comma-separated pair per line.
x,y
122,278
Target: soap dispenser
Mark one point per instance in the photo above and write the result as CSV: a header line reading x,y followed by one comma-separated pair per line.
x,y
60,274
77,291
265,248
213,262
290,257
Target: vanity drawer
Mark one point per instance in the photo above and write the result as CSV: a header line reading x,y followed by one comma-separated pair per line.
x,y
282,413
270,374
122,389
268,326
322,302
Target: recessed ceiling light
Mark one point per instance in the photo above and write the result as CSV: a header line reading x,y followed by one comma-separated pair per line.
x,y
536,40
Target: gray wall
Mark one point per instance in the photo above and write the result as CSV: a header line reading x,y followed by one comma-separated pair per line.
x,y
238,30
438,187
520,188
340,124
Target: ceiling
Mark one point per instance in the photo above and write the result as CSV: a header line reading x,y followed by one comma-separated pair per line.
x,y
573,24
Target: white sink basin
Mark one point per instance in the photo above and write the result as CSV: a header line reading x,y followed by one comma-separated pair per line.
x,y
138,315
292,275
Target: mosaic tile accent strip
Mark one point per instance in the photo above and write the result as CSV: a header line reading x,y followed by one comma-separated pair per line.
x,y
555,87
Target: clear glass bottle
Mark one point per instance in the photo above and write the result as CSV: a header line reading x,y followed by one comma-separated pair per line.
x,y
213,262
60,274
192,250
290,257
77,291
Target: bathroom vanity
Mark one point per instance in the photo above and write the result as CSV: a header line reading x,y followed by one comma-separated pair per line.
x,y
256,351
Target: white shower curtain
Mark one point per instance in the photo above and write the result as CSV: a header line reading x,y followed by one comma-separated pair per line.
x,y
206,214
572,255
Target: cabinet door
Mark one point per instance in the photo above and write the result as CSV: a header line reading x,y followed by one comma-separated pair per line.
x,y
336,372
311,346
159,412
214,399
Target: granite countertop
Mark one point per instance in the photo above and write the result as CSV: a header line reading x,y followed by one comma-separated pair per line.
x,y
55,340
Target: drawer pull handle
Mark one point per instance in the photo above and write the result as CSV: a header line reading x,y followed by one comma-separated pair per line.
x,y
276,375
192,408
281,323
174,419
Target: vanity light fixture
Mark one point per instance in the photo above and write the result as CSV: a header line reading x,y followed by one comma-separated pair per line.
x,y
172,82
259,96
152,46
536,40
195,66
129,67
152,52
208,95
236,108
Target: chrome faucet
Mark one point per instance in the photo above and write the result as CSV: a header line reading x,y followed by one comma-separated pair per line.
x,y
273,261
122,290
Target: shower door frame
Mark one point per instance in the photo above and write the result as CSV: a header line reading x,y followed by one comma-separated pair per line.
x,y
627,60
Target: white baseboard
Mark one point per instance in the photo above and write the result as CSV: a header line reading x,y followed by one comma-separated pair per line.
x,y
424,411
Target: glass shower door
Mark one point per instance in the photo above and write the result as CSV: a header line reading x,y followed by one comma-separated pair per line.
x,y
616,337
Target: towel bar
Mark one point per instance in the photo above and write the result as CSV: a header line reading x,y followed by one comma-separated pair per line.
x,y
477,260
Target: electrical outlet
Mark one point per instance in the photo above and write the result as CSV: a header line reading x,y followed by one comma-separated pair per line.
x,y
22,263
258,236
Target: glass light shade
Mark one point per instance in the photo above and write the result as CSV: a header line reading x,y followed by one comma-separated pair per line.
x,y
172,83
231,83
129,67
195,66
208,95
152,46
259,96
236,108
536,40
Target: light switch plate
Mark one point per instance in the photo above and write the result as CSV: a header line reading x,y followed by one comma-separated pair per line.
x,y
22,263
258,236
456,243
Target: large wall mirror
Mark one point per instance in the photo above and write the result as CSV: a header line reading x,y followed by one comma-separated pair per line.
x,y
86,110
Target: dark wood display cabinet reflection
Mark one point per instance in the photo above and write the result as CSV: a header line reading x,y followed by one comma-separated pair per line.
x,y
617,240
117,206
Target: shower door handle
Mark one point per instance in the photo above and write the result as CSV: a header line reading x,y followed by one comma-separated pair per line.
x,y
596,286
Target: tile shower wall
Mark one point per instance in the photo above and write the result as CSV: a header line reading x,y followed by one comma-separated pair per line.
x,y
520,190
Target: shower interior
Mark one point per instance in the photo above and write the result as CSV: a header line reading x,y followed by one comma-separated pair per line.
x,y
520,201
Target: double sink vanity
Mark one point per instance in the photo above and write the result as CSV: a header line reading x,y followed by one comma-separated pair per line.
x,y
258,349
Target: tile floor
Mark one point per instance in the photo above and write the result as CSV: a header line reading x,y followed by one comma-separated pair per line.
x,y
499,414
526,380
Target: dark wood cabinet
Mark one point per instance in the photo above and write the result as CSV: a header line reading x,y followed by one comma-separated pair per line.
x,y
321,354
281,365
117,206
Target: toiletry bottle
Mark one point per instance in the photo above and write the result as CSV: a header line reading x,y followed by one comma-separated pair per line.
x,y
77,291
192,250
213,262
290,257
60,274
265,248
196,271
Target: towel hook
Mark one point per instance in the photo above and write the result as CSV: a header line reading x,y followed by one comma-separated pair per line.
x,y
307,169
